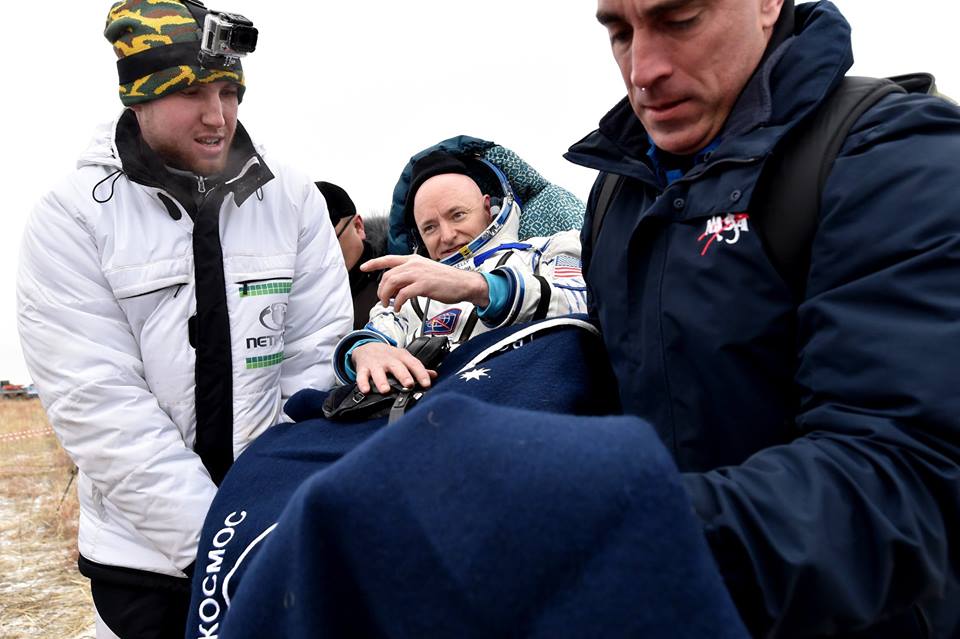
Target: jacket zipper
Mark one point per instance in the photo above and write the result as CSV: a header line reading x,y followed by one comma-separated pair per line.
x,y
689,177
708,167
156,290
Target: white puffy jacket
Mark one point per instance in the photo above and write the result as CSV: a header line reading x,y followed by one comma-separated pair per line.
x,y
106,292
543,274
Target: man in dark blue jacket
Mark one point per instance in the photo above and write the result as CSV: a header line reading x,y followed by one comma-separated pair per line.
x,y
820,441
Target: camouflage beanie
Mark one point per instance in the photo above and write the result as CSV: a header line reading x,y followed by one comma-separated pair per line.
x,y
157,43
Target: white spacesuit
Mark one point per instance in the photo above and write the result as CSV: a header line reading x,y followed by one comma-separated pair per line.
x,y
542,273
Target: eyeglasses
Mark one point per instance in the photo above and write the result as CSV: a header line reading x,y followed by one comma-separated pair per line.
x,y
346,226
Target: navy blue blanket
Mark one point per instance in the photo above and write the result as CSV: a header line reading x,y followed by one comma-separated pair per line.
x,y
469,517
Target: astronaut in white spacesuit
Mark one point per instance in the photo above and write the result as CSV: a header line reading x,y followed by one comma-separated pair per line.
x,y
478,276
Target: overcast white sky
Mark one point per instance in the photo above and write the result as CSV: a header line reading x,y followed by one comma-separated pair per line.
x,y
349,90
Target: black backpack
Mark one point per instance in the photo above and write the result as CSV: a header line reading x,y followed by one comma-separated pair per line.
x,y
792,181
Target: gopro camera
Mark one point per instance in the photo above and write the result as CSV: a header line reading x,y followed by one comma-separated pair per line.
x,y
226,38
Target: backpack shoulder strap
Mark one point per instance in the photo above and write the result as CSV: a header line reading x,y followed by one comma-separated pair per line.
x,y
785,207
610,183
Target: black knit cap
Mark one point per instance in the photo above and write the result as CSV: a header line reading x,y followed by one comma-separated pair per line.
x,y
339,203
432,165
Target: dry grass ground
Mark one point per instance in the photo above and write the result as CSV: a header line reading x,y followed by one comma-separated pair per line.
x,y
41,592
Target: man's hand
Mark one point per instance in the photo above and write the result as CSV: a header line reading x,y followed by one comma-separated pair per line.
x,y
412,275
374,360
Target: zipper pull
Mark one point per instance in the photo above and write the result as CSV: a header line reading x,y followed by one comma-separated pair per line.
x,y
201,184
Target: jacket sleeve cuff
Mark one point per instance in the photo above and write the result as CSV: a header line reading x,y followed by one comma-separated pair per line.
x,y
702,496
341,354
347,364
499,287
512,301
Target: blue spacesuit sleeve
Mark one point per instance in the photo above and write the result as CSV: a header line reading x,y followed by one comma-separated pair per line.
x,y
341,354
499,294
347,365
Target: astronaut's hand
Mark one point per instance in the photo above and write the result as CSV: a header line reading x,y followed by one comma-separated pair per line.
x,y
373,361
412,275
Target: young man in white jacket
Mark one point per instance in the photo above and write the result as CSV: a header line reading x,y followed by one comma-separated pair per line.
x,y
173,292
478,276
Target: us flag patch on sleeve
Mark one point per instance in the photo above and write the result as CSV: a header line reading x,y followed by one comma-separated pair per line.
x,y
566,266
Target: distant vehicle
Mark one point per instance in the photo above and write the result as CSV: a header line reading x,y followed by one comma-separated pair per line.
x,y
16,391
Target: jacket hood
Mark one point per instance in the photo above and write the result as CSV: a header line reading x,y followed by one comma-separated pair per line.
x,y
119,146
547,208
376,228
102,148
799,69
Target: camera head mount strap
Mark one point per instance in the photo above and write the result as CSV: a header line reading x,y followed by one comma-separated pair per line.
x,y
142,64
